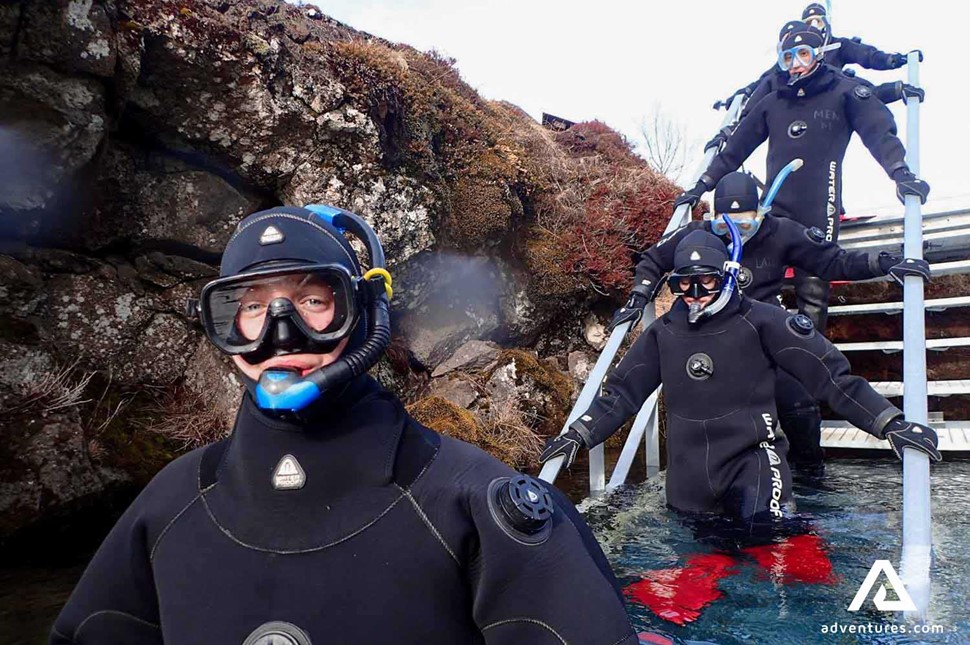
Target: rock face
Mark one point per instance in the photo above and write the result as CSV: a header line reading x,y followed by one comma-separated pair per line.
x,y
135,134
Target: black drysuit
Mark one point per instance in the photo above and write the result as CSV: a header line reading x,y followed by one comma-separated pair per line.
x,y
779,243
718,375
390,540
812,121
769,82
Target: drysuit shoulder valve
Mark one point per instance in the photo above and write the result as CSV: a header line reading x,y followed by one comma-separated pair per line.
x,y
522,507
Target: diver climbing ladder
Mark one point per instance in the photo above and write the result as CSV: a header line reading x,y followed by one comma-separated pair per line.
x,y
646,425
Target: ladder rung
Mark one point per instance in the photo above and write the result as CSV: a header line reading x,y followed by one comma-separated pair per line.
x,y
891,346
933,388
954,436
937,304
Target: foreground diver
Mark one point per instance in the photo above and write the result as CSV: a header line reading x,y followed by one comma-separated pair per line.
x,y
330,515
771,244
716,353
813,119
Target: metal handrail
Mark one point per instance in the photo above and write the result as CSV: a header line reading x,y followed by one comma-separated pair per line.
x,y
917,534
649,414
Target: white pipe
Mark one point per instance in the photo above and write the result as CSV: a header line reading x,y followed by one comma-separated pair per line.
x,y
917,521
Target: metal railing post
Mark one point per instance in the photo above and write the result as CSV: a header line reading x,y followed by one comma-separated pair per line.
x,y
917,536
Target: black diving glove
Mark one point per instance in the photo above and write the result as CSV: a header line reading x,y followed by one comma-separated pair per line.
x,y
898,268
632,311
901,433
692,196
908,184
565,445
895,61
906,90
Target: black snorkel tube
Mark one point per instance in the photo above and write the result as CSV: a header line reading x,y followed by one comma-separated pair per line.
x,y
733,265
287,391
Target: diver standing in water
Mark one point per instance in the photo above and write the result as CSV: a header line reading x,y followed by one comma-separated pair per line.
x,y
716,353
330,515
770,245
812,118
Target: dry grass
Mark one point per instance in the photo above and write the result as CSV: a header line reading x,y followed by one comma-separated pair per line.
x,y
55,390
507,434
184,418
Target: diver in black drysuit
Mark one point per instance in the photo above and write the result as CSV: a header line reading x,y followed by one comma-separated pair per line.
x,y
344,520
850,51
723,454
813,119
771,244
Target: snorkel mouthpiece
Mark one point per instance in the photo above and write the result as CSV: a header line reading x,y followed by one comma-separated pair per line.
x,y
285,390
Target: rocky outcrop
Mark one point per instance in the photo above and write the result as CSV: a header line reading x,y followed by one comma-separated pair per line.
x,y
134,135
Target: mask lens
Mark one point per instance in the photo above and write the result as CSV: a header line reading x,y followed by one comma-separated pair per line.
x,y
805,55
695,285
237,311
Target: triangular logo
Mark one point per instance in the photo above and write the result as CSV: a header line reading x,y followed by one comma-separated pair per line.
x,y
798,39
288,474
695,256
271,235
905,603
735,204
801,92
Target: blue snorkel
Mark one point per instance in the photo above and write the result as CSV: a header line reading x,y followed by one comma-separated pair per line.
x,y
731,268
780,178
733,265
284,390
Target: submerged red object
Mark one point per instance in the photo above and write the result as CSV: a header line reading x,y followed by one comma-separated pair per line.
x,y
801,559
679,594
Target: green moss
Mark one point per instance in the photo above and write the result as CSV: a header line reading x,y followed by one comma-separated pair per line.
x,y
441,415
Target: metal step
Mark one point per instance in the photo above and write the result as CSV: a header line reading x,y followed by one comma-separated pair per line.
x,y
933,388
937,304
892,346
954,436
944,234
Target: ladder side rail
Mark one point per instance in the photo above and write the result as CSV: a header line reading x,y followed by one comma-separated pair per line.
x,y
917,535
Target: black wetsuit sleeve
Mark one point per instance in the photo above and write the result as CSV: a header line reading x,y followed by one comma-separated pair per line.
x,y
877,128
888,92
658,260
857,52
762,88
115,601
625,388
559,591
750,133
809,250
821,368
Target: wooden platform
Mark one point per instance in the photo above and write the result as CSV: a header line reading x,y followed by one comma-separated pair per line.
x,y
954,437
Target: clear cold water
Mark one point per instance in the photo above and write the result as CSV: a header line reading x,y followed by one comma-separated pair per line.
x,y
856,512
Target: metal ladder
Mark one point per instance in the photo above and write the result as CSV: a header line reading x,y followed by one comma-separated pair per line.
x,y
946,242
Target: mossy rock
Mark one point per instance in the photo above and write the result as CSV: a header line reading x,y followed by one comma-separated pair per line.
x,y
441,415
